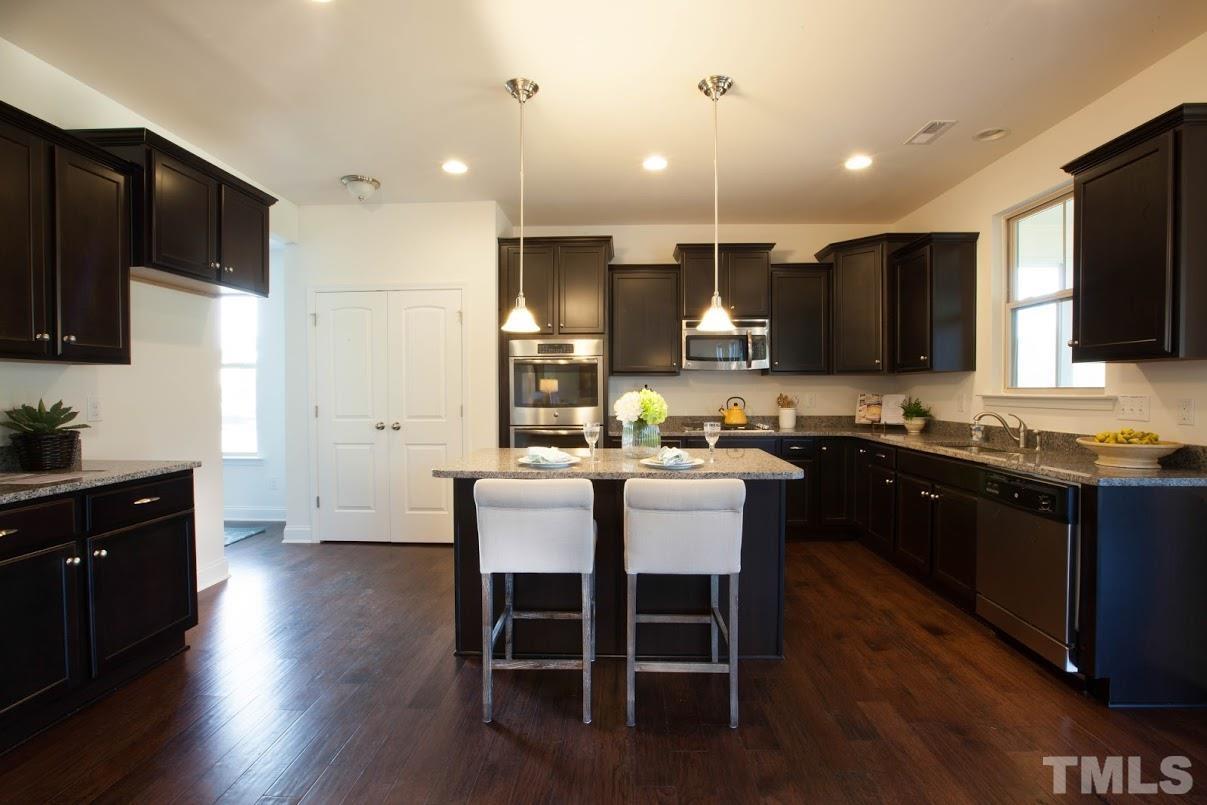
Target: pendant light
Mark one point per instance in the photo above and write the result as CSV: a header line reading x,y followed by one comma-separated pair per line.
x,y
520,319
716,318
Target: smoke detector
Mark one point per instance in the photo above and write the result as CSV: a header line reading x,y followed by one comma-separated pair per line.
x,y
930,132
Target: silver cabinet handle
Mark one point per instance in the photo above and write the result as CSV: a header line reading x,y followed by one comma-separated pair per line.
x,y
145,501
380,426
881,456
798,447
100,554
8,532
396,426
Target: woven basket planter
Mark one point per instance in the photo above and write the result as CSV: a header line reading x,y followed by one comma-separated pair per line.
x,y
41,452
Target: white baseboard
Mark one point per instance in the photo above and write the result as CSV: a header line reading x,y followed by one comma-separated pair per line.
x,y
298,534
213,573
255,514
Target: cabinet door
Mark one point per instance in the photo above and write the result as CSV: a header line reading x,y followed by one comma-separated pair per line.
x,y
800,500
92,259
859,309
697,278
800,320
914,501
25,331
1123,288
747,293
582,276
912,299
881,508
955,543
142,583
538,283
244,242
645,321
40,628
834,482
184,219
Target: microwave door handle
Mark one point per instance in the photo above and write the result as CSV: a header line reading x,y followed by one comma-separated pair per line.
x,y
749,350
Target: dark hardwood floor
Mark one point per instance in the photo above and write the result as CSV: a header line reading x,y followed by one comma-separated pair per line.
x,y
325,674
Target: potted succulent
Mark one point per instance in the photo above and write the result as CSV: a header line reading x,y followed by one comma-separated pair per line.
x,y
44,440
787,407
916,415
640,414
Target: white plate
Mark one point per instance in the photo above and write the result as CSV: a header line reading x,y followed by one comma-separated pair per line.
x,y
525,461
658,465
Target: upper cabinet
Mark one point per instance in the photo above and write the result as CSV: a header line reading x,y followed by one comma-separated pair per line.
x,y
565,282
196,226
800,318
742,277
861,301
64,245
645,334
934,303
1140,248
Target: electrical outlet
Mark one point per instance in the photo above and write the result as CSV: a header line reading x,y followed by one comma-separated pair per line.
x,y
961,404
93,412
1132,409
1186,411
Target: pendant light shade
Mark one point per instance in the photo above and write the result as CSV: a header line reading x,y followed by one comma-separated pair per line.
x,y
520,320
716,318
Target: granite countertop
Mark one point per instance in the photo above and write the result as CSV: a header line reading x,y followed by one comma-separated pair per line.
x,y
18,486
611,465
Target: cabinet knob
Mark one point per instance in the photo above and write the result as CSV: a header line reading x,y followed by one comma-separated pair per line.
x,y
877,361
380,426
921,357
925,494
396,426
862,451
5,532
549,324
41,336
888,481
100,554
1074,342
145,501
823,447
71,561
69,339
934,496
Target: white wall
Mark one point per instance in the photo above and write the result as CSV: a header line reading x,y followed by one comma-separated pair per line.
x,y
254,489
1029,171
166,404
378,246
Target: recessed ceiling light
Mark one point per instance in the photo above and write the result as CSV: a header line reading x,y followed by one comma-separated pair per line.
x,y
990,134
454,166
654,162
857,162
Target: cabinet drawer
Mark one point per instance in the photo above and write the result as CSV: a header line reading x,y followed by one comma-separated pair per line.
x,y
876,454
959,474
36,526
131,505
798,448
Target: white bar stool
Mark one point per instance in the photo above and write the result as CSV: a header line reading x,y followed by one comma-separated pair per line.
x,y
537,526
684,527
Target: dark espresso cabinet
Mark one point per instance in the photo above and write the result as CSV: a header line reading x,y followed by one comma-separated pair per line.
x,y
934,303
912,548
196,226
954,536
644,332
800,318
835,470
881,500
24,315
565,282
742,277
1140,250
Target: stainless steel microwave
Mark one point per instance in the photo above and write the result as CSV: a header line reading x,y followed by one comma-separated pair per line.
x,y
747,347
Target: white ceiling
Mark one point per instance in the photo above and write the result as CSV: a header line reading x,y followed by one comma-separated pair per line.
x,y
295,93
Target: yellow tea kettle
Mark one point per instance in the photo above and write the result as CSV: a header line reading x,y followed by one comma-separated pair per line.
x,y
735,414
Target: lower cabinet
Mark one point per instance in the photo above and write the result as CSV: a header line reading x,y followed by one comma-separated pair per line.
x,y
955,523
880,497
835,479
912,548
800,502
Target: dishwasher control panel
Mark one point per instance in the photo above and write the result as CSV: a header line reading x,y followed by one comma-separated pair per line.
x,y
1047,500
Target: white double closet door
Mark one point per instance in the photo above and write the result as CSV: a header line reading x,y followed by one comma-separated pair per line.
x,y
388,390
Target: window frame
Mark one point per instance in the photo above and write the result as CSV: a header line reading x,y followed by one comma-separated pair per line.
x,y
254,366
1010,220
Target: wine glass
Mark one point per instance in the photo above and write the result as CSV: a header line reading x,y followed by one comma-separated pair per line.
x,y
591,434
712,432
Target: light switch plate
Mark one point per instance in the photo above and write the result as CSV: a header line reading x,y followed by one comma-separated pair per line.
x,y
1133,409
1186,411
93,414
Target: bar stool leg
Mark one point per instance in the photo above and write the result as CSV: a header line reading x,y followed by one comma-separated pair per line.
x,y
631,653
509,606
588,638
487,644
733,650
715,601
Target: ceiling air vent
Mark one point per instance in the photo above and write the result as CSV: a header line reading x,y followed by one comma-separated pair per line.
x,y
930,132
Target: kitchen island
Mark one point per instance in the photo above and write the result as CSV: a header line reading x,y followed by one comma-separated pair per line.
x,y
762,607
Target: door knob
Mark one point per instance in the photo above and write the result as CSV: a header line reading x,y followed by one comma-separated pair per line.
x,y
380,426
396,426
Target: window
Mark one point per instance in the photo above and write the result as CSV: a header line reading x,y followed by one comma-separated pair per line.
x,y
240,332
1039,311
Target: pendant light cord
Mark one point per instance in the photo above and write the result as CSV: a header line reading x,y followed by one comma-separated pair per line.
x,y
521,99
716,216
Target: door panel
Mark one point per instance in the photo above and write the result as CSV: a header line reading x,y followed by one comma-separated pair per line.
x,y
834,470
24,329
425,401
859,310
244,242
538,283
800,320
800,500
92,255
582,277
913,548
645,321
697,281
351,387
955,532
749,276
881,508
184,218
912,295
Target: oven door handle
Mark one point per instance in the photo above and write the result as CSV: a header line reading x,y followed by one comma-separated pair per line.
x,y
548,432
558,361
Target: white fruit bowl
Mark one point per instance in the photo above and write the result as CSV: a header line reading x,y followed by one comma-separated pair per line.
x,y
1129,456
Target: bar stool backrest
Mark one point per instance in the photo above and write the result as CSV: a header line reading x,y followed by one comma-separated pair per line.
x,y
535,526
683,526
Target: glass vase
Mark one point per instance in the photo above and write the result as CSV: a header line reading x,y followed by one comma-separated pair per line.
x,y
639,440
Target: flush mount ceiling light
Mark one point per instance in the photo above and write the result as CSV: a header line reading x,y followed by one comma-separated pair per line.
x,y
716,318
857,162
454,166
654,162
360,186
990,134
520,319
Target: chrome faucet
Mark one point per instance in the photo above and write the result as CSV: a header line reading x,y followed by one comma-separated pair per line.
x,y
1023,435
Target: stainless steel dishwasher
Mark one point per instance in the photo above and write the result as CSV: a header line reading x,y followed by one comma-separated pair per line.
x,y
1028,564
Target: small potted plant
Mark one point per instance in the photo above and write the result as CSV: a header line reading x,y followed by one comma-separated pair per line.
x,y
44,441
787,405
916,415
